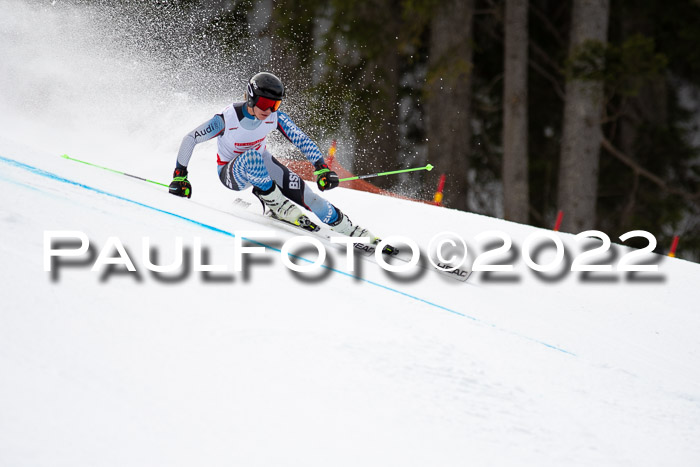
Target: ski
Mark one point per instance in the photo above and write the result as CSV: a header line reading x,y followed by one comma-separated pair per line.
x,y
459,274
363,249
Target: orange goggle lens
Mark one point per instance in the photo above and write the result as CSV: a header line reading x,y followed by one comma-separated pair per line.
x,y
263,103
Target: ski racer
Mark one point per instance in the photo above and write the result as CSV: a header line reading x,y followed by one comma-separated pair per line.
x,y
244,160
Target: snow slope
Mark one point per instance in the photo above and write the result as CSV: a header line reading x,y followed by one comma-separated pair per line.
x,y
270,367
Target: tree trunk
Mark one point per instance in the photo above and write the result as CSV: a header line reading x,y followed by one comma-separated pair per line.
x,y
448,97
516,201
582,132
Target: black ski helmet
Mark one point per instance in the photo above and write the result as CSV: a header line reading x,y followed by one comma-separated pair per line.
x,y
264,85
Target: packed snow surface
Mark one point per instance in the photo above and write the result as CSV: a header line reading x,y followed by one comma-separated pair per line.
x,y
345,365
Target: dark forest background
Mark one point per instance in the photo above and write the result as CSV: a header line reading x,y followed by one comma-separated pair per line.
x,y
529,107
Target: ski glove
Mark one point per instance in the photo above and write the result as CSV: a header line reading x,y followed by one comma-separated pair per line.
x,y
326,179
180,186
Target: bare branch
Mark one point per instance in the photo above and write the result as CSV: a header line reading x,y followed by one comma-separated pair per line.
x,y
548,24
627,160
546,75
539,51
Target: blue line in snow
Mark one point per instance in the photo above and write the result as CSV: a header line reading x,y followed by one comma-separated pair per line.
x,y
58,178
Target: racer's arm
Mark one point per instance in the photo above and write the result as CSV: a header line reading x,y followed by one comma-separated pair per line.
x,y
180,186
298,138
204,132
325,177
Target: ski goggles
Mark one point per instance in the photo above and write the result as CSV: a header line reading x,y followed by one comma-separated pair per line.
x,y
263,103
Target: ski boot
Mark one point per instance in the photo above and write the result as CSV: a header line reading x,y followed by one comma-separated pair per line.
x,y
283,209
344,225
